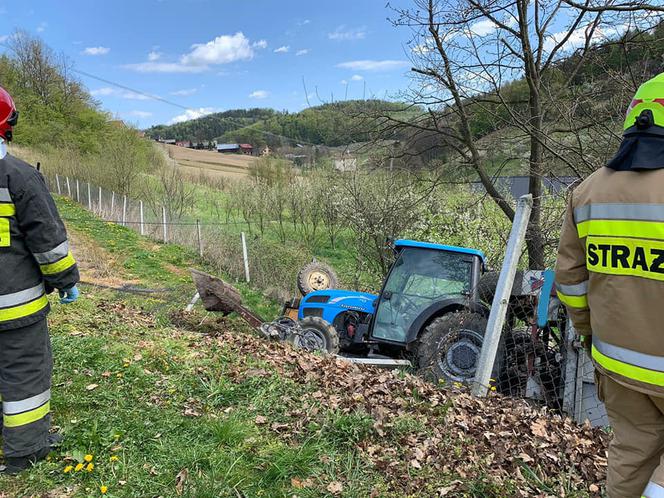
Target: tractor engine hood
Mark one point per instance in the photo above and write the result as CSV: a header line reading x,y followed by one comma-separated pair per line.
x,y
343,299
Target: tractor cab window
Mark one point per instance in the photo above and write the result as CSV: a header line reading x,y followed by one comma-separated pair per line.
x,y
418,279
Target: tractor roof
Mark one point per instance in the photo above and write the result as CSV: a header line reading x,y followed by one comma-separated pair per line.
x,y
439,247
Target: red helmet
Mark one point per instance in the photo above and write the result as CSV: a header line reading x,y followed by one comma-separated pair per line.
x,y
8,115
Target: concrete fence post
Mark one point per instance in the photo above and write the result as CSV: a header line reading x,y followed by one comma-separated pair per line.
x,y
57,182
78,192
89,198
68,188
142,228
200,239
245,255
124,211
113,204
99,203
501,298
163,223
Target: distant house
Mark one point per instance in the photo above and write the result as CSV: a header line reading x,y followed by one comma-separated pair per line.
x,y
168,141
228,148
183,144
247,149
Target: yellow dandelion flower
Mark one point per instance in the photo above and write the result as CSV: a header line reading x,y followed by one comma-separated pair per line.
x,y
68,469
90,467
118,375
493,388
103,489
114,458
88,458
79,466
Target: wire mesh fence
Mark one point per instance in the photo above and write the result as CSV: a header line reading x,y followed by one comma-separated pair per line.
x,y
218,243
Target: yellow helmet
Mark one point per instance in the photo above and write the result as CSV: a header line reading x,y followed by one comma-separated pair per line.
x,y
647,108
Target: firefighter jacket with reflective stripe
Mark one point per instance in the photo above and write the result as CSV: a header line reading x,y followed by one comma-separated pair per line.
x,y
610,273
34,251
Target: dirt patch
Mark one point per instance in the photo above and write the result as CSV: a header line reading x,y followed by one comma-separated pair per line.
x,y
95,263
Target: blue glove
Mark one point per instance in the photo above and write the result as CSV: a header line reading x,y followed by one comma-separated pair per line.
x,y
68,296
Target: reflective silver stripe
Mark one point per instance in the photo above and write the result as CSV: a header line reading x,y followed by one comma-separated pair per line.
x,y
574,290
654,490
14,407
4,195
642,212
55,254
624,355
22,297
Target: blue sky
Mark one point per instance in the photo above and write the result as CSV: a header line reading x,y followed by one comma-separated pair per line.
x,y
211,55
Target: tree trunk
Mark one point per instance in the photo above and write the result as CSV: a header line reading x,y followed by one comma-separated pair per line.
x,y
534,237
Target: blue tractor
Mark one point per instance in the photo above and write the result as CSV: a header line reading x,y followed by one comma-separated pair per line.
x,y
429,311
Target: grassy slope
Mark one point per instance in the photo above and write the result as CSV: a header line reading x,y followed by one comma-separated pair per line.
x,y
225,414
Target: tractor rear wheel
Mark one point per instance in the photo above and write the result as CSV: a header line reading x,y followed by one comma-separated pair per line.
x,y
315,334
449,348
316,276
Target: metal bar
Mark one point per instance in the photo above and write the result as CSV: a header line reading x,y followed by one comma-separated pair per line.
x,y
140,204
245,255
502,297
163,223
378,362
200,240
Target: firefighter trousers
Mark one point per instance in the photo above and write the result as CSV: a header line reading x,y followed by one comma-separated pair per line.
x,y
26,365
636,452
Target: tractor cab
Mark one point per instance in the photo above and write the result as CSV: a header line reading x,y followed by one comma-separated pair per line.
x,y
425,281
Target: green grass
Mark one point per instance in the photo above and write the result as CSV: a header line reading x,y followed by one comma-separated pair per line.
x,y
167,411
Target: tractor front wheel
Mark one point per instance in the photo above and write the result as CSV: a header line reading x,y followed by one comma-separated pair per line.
x,y
449,348
316,276
315,334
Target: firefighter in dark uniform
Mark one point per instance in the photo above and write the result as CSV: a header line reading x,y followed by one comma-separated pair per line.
x,y
35,260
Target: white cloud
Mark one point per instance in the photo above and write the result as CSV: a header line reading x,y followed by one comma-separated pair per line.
x,y
578,37
483,28
282,50
259,94
42,27
304,51
260,44
190,114
141,114
4,38
344,82
371,65
222,50
187,92
342,33
96,51
356,77
154,56
304,23
164,67
115,92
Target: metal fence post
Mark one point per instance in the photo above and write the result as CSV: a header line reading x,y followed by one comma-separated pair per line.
x,y
501,299
124,211
142,228
78,192
163,223
245,255
89,198
57,182
200,239
68,188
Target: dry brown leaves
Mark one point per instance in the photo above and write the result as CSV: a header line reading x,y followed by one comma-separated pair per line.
x,y
501,438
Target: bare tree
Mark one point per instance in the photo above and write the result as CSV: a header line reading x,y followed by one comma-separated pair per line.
x,y
520,66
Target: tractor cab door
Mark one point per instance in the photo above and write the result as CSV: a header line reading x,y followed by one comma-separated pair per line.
x,y
419,278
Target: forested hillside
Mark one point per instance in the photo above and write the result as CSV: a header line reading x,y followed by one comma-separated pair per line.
x,y
333,124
